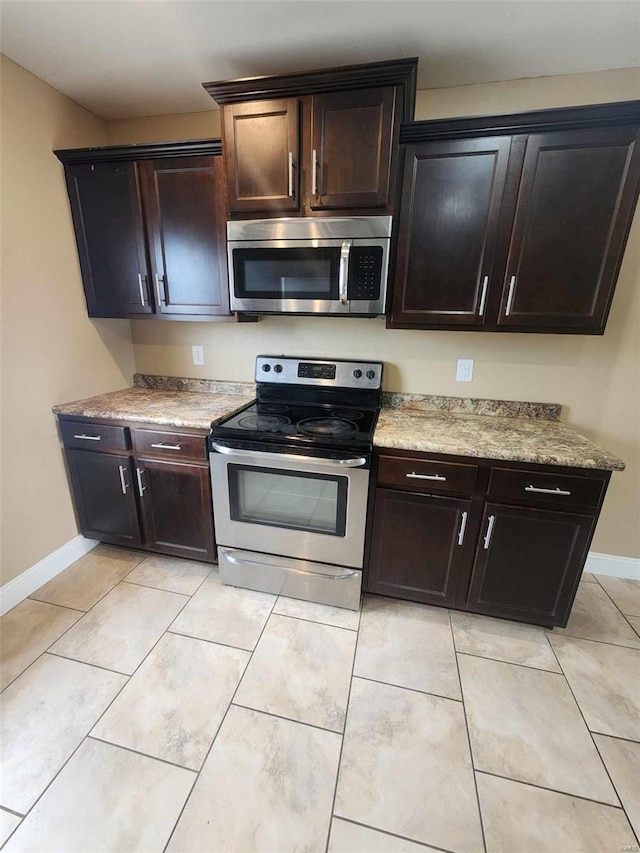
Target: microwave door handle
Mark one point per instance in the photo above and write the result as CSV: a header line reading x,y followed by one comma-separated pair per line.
x,y
343,275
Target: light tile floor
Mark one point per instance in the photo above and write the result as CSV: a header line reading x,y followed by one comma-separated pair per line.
x,y
146,707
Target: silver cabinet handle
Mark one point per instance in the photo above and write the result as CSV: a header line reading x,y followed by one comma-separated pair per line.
x,y
512,285
290,174
162,296
343,272
556,491
86,437
483,296
162,446
355,462
142,299
487,538
414,476
141,488
463,527
314,172
123,483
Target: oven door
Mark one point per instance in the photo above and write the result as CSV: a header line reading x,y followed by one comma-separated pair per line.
x,y
307,508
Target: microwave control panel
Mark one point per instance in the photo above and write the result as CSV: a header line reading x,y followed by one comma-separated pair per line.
x,y
365,273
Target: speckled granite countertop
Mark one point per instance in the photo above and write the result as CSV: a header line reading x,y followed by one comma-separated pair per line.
x,y
192,409
516,432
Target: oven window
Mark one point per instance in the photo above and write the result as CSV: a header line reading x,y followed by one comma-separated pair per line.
x,y
302,273
290,499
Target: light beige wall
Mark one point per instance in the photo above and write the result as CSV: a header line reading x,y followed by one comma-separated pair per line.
x,y
51,351
129,131
595,378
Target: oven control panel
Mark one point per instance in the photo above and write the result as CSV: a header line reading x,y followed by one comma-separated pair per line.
x,y
315,371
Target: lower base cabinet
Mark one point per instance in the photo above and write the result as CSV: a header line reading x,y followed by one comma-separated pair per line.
x,y
176,508
528,563
105,499
518,557
124,495
417,546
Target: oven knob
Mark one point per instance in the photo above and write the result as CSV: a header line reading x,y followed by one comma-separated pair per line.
x,y
277,368
266,367
371,374
357,373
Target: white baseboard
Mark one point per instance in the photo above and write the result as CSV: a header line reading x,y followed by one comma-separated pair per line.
x,y
29,581
609,564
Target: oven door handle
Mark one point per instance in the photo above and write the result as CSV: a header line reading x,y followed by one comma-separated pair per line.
x,y
340,575
352,462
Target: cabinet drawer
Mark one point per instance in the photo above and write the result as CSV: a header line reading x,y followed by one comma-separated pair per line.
x,y
544,488
424,475
80,435
175,445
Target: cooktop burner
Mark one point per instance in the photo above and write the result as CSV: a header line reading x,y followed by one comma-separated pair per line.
x,y
264,422
327,427
347,414
271,409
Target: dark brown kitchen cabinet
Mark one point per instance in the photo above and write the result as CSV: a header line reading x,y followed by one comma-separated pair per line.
x,y
451,201
186,221
104,496
147,488
417,546
503,539
150,225
261,143
315,142
528,563
106,206
524,231
177,515
575,203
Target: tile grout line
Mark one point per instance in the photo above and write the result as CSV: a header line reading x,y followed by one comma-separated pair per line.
x,y
510,662
602,642
86,663
466,725
593,740
315,621
404,687
286,719
222,721
625,616
386,832
344,729
11,811
550,790
204,640
142,754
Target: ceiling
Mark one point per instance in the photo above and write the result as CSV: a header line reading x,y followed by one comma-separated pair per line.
x,y
122,58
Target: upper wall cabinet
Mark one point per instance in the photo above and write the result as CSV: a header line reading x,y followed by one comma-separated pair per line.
x,y
150,229
521,231
315,143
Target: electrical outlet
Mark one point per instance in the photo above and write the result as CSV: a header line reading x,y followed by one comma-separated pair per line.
x,y
198,355
465,370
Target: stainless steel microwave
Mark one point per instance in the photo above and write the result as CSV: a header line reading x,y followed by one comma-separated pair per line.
x,y
323,265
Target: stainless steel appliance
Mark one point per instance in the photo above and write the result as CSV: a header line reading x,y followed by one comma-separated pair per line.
x,y
290,476
321,265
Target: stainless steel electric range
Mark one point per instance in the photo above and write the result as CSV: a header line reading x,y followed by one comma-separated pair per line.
x,y
290,477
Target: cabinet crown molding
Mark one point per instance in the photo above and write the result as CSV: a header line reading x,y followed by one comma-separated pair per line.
x,y
534,121
395,72
144,151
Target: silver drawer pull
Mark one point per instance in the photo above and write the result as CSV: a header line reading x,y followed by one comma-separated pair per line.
x,y
512,284
414,476
123,483
162,446
483,297
463,527
487,538
141,488
556,491
88,437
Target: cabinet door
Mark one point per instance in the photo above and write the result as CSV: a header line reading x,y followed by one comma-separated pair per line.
x,y
528,563
417,547
449,221
104,496
261,147
107,218
177,510
352,136
576,199
186,220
